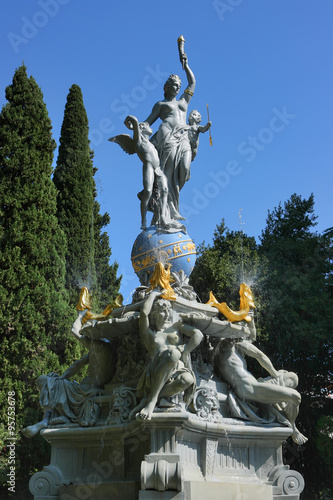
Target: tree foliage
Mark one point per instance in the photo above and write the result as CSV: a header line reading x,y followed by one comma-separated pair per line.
x,y
107,283
33,300
298,309
224,265
73,178
290,273
297,315
88,252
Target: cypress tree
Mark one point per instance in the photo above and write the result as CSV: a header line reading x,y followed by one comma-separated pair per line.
x,y
34,314
107,286
88,252
73,178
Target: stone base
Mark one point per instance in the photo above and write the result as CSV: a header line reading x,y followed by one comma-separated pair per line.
x,y
173,456
196,490
116,491
162,495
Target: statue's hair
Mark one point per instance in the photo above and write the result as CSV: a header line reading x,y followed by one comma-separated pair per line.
x,y
144,125
172,78
159,305
191,114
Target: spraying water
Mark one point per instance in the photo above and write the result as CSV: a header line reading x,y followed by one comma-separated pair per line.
x,y
241,225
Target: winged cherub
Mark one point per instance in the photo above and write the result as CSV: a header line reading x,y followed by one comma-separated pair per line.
x,y
151,171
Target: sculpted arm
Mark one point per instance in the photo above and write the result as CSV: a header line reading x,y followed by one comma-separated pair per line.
x,y
77,325
204,128
144,316
190,80
155,113
246,347
77,366
195,338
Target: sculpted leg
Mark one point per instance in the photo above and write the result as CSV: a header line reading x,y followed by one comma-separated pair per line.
x,y
32,430
161,375
148,182
184,170
146,195
179,384
267,393
137,409
271,394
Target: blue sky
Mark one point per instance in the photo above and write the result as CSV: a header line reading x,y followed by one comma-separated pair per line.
x,y
264,67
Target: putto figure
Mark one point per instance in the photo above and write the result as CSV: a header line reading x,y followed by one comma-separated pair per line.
x,y
195,129
151,171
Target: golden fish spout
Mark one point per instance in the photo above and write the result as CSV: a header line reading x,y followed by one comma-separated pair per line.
x,y
246,303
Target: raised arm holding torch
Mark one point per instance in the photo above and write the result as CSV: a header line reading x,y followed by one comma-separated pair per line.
x,y
181,42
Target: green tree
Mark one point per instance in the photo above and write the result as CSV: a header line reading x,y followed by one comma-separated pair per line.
x,y
107,286
88,252
73,178
224,265
34,313
297,316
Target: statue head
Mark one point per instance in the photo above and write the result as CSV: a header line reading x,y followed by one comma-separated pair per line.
x,y
145,128
172,83
194,117
290,379
160,313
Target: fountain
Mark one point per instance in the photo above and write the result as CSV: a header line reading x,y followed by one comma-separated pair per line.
x,y
168,409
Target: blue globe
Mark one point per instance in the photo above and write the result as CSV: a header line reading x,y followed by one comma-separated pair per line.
x,y
154,245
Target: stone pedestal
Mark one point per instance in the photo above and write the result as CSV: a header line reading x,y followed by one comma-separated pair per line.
x,y
174,456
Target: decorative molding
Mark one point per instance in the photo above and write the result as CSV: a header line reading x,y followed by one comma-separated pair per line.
x,y
290,482
206,404
46,482
161,474
122,401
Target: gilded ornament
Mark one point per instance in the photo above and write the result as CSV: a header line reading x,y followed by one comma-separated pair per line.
x,y
246,303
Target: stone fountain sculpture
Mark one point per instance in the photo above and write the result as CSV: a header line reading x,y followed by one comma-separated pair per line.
x,y
168,409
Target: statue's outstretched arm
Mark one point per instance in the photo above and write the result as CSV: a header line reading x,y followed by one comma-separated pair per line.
x,y
144,314
203,128
246,347
77,325
76,367
189,91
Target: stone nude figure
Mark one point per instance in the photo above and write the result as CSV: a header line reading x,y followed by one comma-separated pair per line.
x,y
169,371
277,390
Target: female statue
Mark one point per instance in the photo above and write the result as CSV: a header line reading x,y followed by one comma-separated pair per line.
x,y
172,138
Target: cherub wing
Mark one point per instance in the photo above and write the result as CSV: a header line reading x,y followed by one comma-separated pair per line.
x,y
125,142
